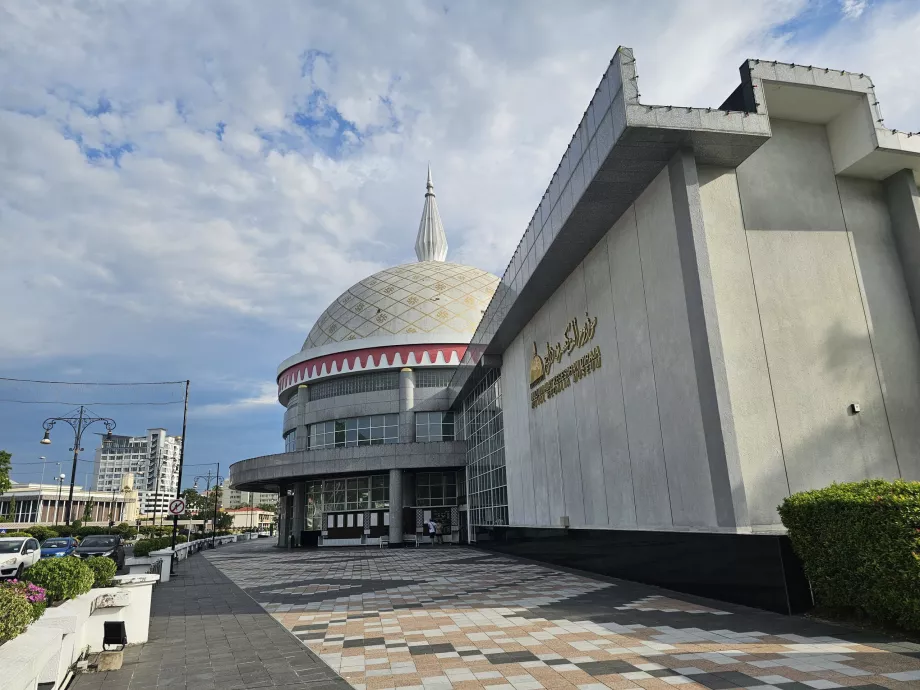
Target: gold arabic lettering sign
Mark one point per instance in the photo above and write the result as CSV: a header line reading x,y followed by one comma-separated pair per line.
x,y
575,336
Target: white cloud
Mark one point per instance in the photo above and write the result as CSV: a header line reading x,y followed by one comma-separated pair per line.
x,y
263,227
852,9
266,394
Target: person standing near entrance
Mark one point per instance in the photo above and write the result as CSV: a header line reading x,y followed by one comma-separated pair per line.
x,y
432,530
439,532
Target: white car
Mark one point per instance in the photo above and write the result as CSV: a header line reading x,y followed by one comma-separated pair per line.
x,y
17,554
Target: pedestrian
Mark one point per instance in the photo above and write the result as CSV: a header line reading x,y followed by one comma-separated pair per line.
x,y
439,532
432,530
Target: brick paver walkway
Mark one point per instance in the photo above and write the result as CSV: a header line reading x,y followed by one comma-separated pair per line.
x,y
207,634
450,617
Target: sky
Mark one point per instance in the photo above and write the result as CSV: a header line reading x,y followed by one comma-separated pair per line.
x,y
185,186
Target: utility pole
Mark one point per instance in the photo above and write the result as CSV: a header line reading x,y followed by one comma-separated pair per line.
x,y
216,497
175,529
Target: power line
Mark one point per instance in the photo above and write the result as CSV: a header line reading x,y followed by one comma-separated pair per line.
x,y
49,462
56,402
93,383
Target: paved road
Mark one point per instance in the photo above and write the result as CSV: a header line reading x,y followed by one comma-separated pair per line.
x,y
450,617
207,634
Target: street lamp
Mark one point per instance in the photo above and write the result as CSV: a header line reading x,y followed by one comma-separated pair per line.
x,y
79,423
217,480
57,506
112,507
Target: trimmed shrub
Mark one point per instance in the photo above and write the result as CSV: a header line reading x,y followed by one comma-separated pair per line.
x,y
16,613
62,578
145,546
41,532
18,534
33,594
75,525
125,530
64,531
860,545
103,568
90,531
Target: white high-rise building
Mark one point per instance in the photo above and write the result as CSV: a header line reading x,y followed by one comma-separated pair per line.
x,y
153,459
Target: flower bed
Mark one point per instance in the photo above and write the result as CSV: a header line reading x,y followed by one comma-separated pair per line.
x,y
62,578
21,604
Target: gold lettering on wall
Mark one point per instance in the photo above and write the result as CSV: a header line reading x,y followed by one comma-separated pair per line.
x,y
575,372
574,337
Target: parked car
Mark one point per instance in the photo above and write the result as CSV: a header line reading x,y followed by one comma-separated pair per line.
x,y
17,554
109,545
58,547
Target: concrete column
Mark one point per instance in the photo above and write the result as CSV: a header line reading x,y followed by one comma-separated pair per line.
x,y
722,452
301,433
300,501
282,515
904,209
396,506
406,406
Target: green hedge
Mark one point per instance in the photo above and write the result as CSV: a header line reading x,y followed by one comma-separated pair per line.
x,y
103,568
860,545
16,534
125,530
33,594
143,547
62,578
16,613
41,532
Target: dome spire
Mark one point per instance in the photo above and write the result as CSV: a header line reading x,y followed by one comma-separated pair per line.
x,y
431,243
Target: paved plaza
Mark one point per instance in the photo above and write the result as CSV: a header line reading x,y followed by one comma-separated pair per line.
x,y
451,617
207,634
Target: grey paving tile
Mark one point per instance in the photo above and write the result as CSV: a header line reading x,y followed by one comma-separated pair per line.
x,y
191,648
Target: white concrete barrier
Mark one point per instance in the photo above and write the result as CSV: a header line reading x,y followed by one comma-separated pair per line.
x,y
183,551
45,653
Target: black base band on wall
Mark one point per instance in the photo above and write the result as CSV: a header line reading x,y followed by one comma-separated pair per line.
x,y
759,570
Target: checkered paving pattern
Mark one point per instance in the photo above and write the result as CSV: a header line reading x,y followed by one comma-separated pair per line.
x,y
450,617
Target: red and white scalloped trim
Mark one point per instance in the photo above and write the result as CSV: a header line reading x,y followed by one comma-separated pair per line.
x,y
371,359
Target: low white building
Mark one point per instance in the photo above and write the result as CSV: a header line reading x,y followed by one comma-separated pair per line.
x,y
251,518
233,498
45,504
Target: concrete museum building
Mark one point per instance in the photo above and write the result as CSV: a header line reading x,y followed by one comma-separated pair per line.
x,y
711,308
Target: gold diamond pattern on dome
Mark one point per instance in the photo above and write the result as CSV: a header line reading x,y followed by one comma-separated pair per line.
x,y
424,297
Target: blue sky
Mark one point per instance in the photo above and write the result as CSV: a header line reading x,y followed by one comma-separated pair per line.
x,y
184,187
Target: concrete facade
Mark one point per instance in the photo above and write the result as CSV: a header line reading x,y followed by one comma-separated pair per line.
x,y
757,318
711,309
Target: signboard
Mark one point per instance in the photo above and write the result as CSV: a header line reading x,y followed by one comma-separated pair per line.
x,y
177,506
543,385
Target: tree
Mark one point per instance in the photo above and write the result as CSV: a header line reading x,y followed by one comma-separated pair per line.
x,y
224,521
268,507
11,511
5,466
195,503
88,510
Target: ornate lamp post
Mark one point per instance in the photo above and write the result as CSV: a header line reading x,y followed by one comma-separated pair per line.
x,y
217,480
79,423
